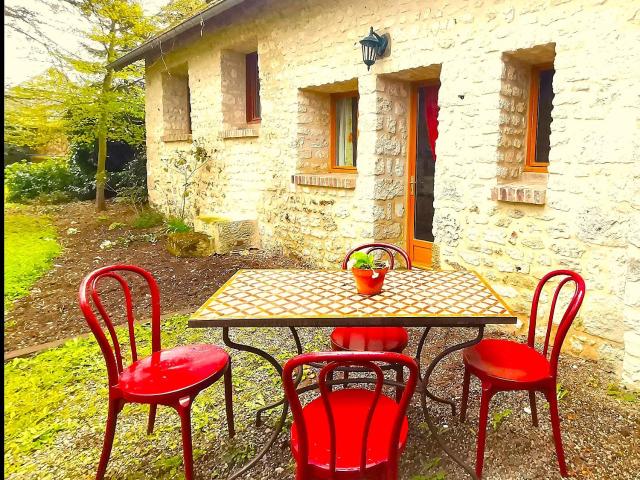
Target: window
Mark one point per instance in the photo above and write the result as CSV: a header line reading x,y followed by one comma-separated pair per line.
x,y
344,131
539,121
253,88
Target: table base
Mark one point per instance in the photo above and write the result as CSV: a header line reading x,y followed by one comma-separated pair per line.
x,y
422,389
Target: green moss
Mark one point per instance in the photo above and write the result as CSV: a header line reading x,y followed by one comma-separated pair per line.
x,y
212,219
30,246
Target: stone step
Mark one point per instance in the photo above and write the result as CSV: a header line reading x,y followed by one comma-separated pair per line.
x,y
228,234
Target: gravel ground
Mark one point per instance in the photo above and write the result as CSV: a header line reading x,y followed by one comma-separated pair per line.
x,y
601,432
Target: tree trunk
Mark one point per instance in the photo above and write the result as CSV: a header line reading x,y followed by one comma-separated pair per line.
x,y
101,171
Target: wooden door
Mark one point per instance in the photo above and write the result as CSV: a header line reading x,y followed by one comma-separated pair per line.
x,y
423,131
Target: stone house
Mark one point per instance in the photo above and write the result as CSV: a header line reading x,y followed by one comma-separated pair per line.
x,y
518,99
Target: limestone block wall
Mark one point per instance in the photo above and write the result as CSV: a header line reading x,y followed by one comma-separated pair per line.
x,y
233,86
175,106
313,128
514,98
392,117
588,220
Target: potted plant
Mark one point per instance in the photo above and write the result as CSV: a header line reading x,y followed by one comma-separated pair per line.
x,y
368,272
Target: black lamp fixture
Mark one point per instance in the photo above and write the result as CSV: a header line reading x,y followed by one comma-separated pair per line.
x,y
373,46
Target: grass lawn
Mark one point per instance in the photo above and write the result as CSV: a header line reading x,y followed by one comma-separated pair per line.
x,y
56,405
30,246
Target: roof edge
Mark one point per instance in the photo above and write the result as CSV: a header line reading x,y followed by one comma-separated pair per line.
x,y
198,19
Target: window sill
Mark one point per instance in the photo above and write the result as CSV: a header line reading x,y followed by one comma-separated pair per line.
x,y
331,180
530,188
239,133
177,137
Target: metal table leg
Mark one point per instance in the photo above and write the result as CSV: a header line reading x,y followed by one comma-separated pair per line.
x,y
285,406
425,392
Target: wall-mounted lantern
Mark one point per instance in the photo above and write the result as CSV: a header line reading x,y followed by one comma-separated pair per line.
x,y
373,47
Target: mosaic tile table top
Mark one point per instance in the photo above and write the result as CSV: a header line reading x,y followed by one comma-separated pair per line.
x,y
329,298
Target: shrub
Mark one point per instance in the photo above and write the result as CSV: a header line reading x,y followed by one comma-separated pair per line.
x,y
130,184
175,225
59,180
26,181
126,174
54,198
147,219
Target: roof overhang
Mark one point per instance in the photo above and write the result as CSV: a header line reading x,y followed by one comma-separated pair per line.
x,y
156,43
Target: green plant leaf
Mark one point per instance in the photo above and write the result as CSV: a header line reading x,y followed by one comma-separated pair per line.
x,y
499,417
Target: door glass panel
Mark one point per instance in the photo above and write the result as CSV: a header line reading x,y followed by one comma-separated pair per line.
x,y
427,132
545,106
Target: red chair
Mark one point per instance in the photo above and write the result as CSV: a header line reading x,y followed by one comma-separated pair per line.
x,y
351,433
387,339
502,365
166,377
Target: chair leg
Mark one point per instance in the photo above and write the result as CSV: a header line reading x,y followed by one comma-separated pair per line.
x,y
399,379
114,408
152,418
184,410
465,395
487,393
228,400
534,408
555,427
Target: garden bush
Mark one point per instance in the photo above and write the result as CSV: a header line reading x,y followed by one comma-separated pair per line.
x,y
147,219
27,180
130,184
61,180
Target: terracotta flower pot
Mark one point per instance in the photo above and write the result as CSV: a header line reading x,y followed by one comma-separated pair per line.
x,y
366,283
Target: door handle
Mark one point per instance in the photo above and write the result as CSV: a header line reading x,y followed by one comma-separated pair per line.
x,y
412,185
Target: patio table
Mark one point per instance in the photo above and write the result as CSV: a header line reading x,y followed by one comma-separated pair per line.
x,y
328,298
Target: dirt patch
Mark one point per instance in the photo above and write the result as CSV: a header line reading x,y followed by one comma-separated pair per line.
x,y
50,312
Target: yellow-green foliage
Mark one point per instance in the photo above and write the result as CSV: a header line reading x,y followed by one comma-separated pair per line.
x,y
29,248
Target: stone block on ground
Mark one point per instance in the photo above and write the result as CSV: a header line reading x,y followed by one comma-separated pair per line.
x,y
190,244
229,234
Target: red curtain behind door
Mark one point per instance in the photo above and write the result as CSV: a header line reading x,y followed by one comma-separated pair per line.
x,y
431,114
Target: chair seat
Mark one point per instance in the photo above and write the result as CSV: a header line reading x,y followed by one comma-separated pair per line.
x,y
506,360
371,339
173,372
350,408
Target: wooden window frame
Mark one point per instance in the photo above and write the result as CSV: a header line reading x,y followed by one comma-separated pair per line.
x,y
252,79
189,122
332,128
532,121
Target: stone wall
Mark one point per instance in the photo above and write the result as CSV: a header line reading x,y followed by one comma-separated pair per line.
x,y
514,98
313,131
392,117
588,215
175,104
